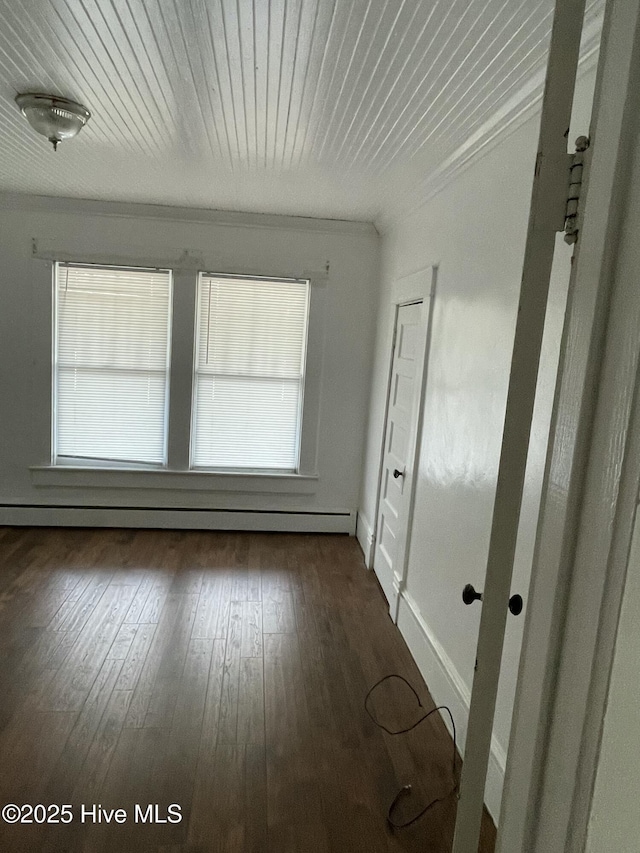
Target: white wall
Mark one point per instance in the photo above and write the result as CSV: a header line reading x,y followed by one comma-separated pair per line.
x,y
474,230
274,245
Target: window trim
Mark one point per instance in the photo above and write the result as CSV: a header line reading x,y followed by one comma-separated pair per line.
x,y
248,482
184,269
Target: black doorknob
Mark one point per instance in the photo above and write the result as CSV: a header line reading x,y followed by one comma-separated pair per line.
x,y
469,595
398,473
515,604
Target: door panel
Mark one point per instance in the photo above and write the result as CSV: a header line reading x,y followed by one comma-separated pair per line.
x,y
401,425
546,217
397,440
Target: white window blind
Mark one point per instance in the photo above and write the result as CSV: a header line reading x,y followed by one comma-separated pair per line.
x,y
249,372
111,364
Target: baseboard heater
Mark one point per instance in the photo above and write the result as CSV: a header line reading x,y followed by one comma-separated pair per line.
x,y
184,518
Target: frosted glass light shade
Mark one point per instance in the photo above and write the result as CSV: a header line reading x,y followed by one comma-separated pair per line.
x,y
53,117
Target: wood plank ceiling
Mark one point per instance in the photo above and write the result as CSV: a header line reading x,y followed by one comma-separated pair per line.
x,y
310,107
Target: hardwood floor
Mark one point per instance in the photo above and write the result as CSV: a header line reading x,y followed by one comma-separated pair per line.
x,y
223,672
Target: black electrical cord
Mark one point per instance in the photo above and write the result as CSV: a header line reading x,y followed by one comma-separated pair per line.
x,y
406,789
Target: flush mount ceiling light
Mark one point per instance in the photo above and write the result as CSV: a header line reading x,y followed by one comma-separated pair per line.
x,y
53,117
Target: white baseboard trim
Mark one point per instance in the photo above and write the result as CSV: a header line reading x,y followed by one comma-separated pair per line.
x,y
447,688
180,519
364,535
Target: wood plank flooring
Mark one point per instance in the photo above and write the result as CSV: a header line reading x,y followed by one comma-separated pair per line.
x,y
222,672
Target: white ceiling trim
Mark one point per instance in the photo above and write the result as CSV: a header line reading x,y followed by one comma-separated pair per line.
x,y
203,216
504,122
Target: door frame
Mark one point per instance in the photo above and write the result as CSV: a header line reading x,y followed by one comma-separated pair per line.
x,y
547,214
416,287
589,493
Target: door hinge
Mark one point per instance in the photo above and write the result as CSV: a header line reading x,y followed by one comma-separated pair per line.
x,y
395,335
571,225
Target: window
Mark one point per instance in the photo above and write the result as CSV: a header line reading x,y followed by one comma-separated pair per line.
x,y
112,361
250,353
111,341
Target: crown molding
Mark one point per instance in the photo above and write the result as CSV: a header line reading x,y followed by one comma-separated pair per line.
x,y
518,109
133,210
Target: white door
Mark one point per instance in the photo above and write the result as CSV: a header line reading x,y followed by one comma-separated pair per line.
x,y
399,448
546,217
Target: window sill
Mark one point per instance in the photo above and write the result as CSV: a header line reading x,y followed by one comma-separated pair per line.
x,y
214,481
